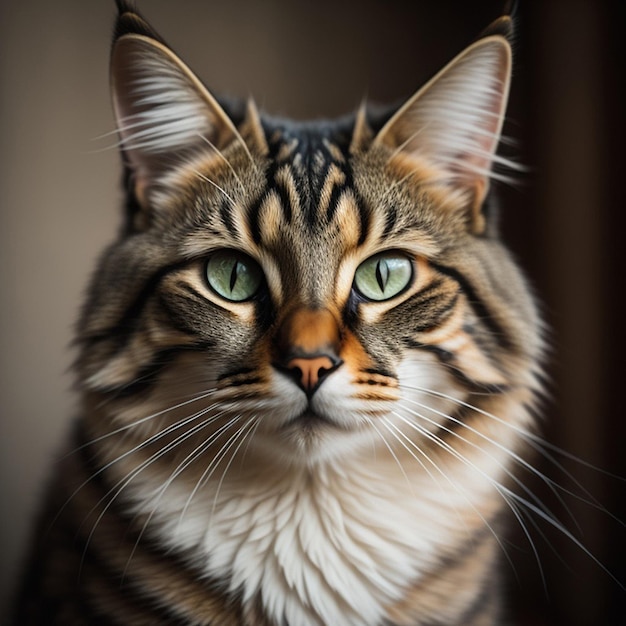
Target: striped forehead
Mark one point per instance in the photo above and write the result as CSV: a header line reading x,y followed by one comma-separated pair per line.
x,y
309,191
309,173
309,214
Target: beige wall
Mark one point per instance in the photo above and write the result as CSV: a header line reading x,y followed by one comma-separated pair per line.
x,y
56,195
59,187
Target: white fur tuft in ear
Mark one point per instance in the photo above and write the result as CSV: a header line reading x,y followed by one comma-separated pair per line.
x,y
162,110
455,120
159,112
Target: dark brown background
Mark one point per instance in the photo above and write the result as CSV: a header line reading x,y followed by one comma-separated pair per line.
x,y
59,198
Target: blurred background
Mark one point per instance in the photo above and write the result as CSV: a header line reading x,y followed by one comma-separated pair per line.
x,y
59,206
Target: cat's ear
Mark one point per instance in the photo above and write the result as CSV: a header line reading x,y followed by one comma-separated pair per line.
x,y
362,134
163,112
455,120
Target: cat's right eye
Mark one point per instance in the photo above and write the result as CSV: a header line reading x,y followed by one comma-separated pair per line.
x,y
233,275
383,276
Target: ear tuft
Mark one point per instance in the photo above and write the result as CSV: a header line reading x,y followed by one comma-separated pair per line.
x,y
362,135
252,130
502,27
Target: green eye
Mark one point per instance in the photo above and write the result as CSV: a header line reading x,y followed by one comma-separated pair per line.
x,y
383,276
233,275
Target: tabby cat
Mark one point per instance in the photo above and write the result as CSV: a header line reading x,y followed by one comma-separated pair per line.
x,y
307,365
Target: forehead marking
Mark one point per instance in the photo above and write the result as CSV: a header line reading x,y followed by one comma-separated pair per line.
x,y
331,190
348,220
287,190
335,151
270,218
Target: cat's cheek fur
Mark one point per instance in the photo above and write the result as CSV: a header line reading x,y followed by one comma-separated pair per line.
x,y
354,417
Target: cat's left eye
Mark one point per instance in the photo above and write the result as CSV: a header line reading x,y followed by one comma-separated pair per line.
x,y
383,276
233,275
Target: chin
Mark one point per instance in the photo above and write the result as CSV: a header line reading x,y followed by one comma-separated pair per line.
x,y
311,440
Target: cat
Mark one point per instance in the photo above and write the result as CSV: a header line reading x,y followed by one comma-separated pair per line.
x,y
308,366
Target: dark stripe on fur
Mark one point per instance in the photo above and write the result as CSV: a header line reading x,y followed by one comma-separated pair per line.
x,y
435,306
381,372
232,374
117,557
253,217
338,191
364,219
391,216
125,326
239,378
285,203
187,311
148,375
482,605
226,215
333,202
447,358
480,308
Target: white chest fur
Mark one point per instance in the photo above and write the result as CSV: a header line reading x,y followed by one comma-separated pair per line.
x,y
332,546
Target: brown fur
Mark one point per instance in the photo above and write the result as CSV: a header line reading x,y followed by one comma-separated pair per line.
x,y
375,437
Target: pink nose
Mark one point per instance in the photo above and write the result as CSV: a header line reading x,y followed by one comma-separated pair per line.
x,y
311,369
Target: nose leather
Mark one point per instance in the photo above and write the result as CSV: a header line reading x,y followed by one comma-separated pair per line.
x,y
312,370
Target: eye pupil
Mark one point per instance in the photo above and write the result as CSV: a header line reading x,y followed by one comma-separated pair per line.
x,y
234,275
382,274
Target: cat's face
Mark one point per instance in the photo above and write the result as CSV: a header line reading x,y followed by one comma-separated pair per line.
x,y
304,291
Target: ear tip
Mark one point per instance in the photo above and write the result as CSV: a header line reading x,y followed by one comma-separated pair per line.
x,y
130,21
124,6
502,27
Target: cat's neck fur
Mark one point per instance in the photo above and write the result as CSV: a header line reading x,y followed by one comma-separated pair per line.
x,y
341,542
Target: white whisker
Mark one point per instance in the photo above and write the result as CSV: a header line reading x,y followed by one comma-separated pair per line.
x,y
103,468
538,443
391,452
208,180
551,484
442,444
399,435
510,496
215,459
121,484
246,429
140,421
180,468
221,155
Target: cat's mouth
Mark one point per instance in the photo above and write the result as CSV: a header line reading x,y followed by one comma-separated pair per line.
x,y
309,420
